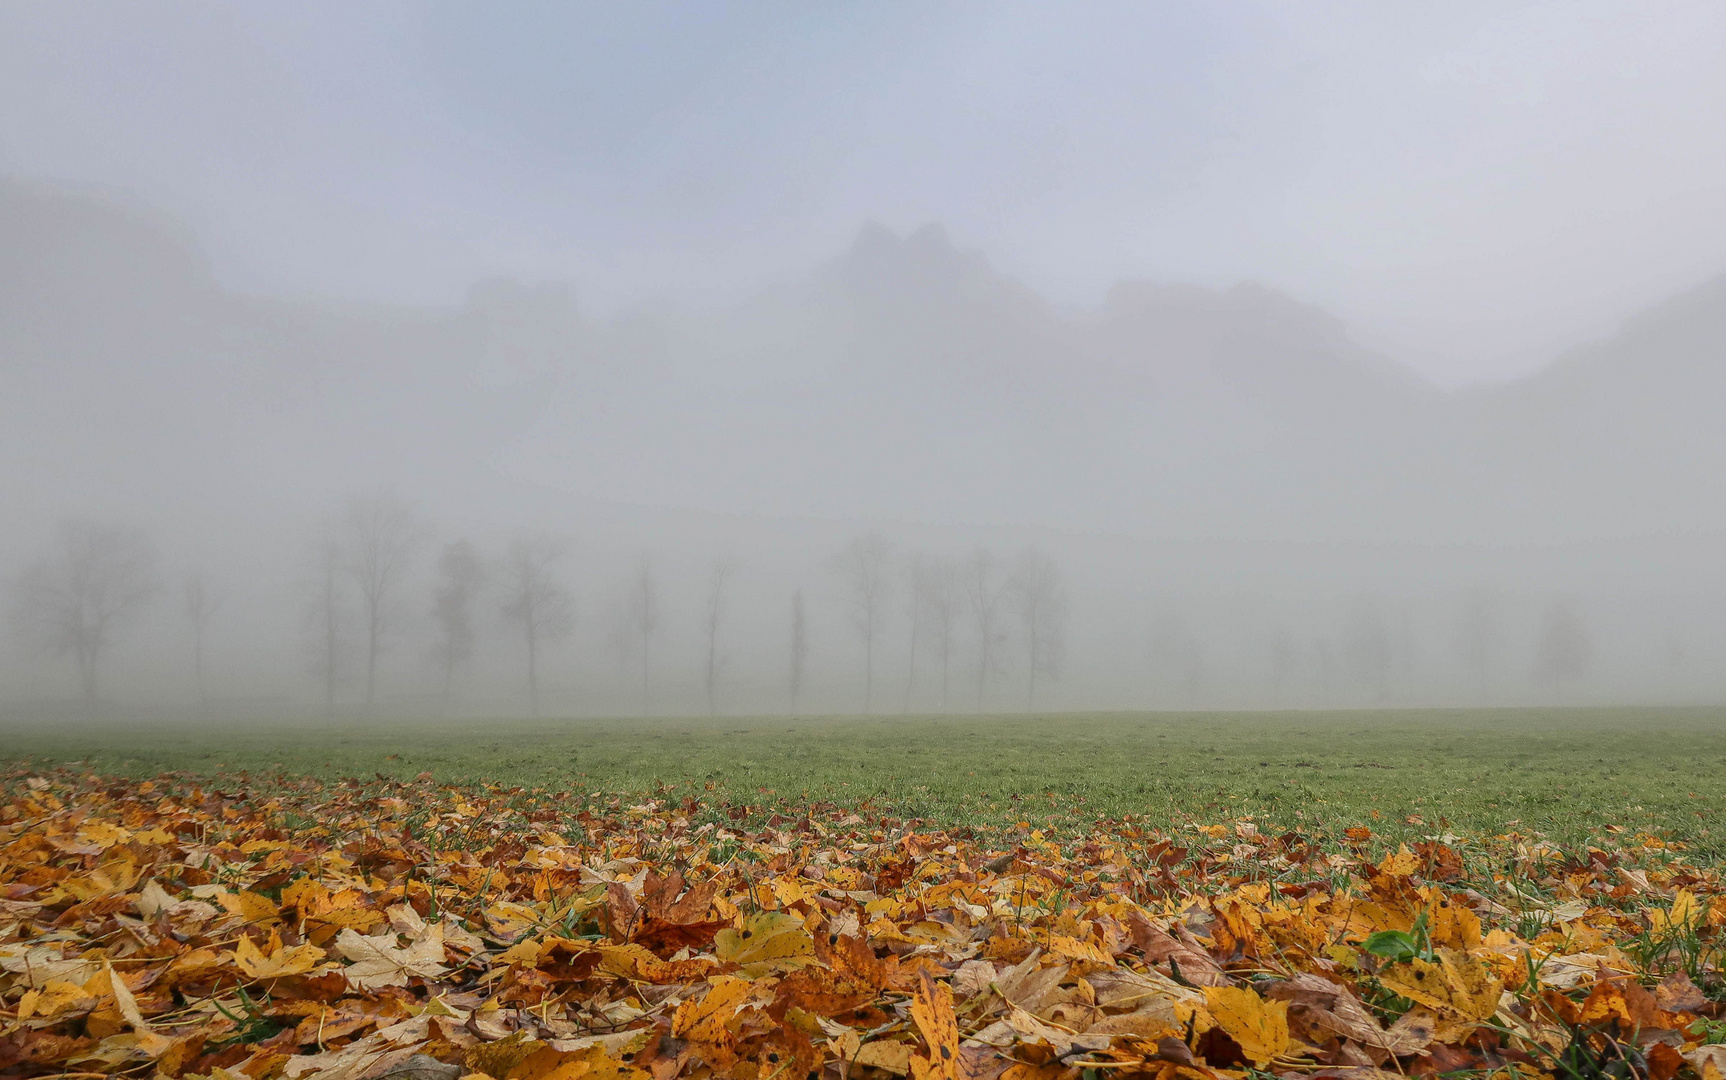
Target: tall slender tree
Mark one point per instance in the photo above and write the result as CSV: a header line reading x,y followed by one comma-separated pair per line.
x,y
643,621
944,601
866,566
326,610
201,602
799,646
983,596
919,574
460,577
382,533
1564,652
1036,593
534,601
70,602
712,615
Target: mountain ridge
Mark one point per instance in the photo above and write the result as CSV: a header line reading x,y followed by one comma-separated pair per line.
x,y
903,378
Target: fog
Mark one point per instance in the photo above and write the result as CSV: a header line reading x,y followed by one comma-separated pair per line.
x,y
646,361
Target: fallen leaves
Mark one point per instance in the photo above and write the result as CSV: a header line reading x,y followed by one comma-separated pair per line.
x,y
768,941
932,1012
1259,1026
408,932
379,962
1456,984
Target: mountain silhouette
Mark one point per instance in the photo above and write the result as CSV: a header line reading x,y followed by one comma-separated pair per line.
x,y
904,379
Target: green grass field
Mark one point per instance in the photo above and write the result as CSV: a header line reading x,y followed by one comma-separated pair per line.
x,y
1567,774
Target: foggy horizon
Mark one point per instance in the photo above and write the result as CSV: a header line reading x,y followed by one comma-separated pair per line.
x,y
1169,360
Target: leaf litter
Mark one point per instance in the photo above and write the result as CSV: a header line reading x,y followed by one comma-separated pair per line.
x,y
176,928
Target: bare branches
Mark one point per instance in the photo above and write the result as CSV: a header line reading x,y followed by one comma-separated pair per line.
x,y
461,575
201,602
711,616
534,600
866,567
799,646
381,533
326,613
641,615
942,599
1036,593
983,597
71,601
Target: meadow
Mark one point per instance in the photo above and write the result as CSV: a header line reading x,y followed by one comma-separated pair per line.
x,y
1568,774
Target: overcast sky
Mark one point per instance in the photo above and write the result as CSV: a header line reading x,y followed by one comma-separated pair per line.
x,y
1471,185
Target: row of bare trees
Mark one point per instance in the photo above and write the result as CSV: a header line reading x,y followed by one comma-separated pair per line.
x,y
356,600
95,577
946,599
363,553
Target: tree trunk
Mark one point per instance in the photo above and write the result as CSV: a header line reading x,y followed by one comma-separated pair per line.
x,y
711,673
371,662
911,670
869,672
87,672
198,667
532,671
1031,649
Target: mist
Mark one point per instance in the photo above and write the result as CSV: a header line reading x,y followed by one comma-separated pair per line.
x,y
593,362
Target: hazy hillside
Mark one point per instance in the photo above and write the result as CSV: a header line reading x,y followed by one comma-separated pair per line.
x,y
905,379
1622,435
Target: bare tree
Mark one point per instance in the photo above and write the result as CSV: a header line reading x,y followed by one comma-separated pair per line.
x,y
1368,644
71,601
642,618
1565,652
943,599
799,646
326,610
534,600
983,596
460,577
917,578
1177,655
711,618
201,604
1477,636
382,534
1284,654
1036,593
866,566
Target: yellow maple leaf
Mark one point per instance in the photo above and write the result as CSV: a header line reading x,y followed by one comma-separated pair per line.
x,y
253,907
932,1011
589,1063
280,961
894,1057
1685,911
54,999
1402,864
499,1057
709,1019
1452,923
1457,984
1073,949
769,941
306,894
1260,1027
